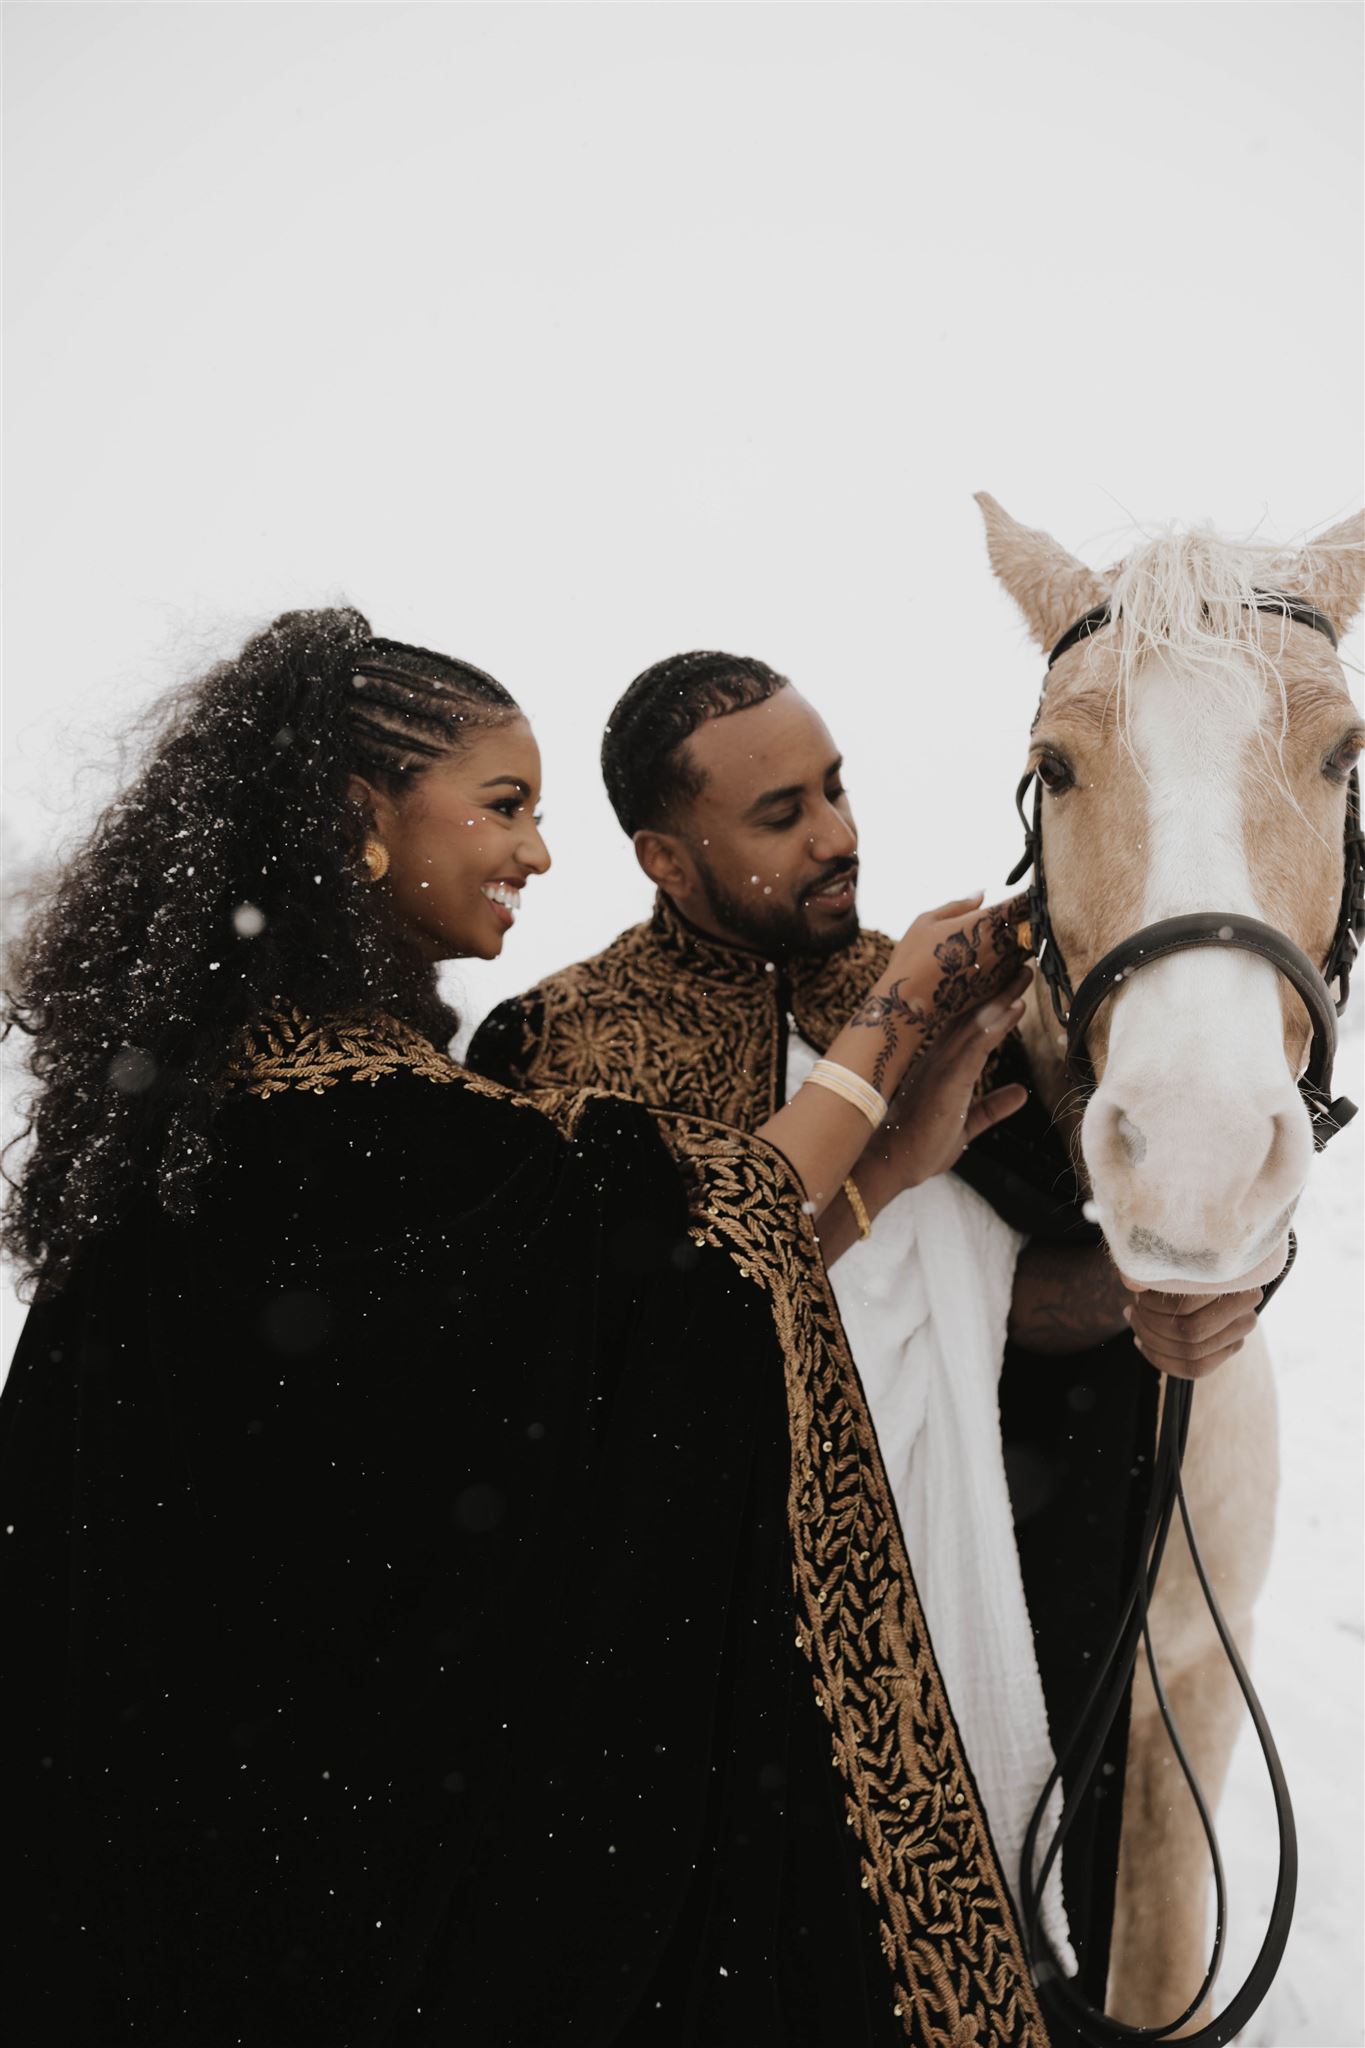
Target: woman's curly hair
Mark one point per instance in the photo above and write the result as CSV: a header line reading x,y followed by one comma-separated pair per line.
x,y
226,880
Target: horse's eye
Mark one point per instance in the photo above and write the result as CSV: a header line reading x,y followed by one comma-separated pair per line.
x,y
1344,757
1054,774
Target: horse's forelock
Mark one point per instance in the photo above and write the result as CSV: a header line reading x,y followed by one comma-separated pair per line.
x,y
1189,597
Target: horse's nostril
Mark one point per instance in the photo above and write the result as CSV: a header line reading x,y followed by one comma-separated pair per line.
x,y
1279,1149
1131,1139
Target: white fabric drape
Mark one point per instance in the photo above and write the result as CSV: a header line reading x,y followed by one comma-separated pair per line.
x,y
924,1302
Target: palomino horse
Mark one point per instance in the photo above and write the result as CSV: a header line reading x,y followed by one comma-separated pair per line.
x,y
1194,755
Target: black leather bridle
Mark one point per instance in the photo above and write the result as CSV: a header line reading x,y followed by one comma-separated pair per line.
x,y
1207,928
1323,993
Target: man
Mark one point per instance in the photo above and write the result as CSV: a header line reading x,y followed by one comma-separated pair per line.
x,y
730,787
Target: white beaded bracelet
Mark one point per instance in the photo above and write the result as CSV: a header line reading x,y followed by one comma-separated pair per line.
x,y
852,1087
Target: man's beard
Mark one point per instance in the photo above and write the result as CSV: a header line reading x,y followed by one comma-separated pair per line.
x,y
781,931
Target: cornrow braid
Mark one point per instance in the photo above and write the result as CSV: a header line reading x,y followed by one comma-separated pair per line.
x,y
409,706
644,762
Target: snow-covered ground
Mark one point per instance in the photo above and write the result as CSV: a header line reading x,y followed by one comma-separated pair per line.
x,y
1308,1660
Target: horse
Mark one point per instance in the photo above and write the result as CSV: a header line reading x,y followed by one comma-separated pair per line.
x,y
1193,751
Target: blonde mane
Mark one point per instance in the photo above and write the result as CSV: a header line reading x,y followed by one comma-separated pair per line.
x,y
1191,597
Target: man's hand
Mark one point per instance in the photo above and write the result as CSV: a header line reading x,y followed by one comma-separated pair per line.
x,y
1189,1335
934,1114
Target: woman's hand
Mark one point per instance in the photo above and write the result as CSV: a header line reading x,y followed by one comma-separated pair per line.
x,y
935,1113
950,961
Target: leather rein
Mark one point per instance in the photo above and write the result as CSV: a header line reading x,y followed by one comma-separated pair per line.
x,y
1079,1761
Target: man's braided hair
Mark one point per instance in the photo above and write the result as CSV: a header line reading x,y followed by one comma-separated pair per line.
x,y
645,764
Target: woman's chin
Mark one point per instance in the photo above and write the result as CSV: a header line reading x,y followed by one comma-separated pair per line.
x,y
480,939
468,947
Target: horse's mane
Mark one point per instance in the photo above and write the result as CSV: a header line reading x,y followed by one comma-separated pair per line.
x,y
1190,595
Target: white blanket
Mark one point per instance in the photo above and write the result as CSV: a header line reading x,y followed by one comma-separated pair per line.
x,y
924,1302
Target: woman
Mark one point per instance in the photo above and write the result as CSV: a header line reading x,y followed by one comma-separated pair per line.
x,y
451,1584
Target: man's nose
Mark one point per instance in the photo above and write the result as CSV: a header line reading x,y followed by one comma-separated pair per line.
x,y
834,837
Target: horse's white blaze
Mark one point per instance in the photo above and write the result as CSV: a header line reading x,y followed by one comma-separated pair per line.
x,y
1196,1141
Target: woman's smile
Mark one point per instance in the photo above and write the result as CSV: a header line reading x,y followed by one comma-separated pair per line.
x,y
504,900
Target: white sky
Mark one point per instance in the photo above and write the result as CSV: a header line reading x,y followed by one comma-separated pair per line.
x,y
564,337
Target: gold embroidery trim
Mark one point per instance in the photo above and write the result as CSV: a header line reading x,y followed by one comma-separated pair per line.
x,y
947,1922
285,1050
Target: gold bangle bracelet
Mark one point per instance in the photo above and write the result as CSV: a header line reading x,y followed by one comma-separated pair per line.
x,y
858,1206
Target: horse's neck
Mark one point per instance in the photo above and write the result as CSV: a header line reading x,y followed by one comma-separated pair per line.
x,y
1045,1043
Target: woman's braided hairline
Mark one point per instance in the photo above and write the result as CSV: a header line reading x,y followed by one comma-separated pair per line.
x,y
410,706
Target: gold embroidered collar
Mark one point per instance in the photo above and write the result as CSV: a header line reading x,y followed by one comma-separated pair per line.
x,y
285,1050
683,1021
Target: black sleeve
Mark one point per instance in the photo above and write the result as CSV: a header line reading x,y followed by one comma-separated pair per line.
x,y
504,1046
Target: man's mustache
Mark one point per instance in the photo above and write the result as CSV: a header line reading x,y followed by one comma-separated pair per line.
x,y
833,873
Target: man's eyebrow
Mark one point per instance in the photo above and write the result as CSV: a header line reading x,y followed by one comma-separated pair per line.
x,y
790,791
522,788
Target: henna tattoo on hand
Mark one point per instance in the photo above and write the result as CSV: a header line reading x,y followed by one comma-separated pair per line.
x,y
887,1014
963,982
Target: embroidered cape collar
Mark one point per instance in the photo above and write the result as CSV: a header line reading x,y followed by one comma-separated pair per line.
x,y
284,1050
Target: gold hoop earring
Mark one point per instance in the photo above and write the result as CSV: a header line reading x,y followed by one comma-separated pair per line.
x,y
375,855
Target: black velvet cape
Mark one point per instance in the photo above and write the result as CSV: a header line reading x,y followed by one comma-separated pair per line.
x,y
400,1618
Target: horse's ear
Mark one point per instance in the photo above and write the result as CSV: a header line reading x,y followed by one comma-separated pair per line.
x,y
1330,571
1051,588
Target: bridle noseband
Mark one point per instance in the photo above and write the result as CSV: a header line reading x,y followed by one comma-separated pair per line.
x,y
1207,928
